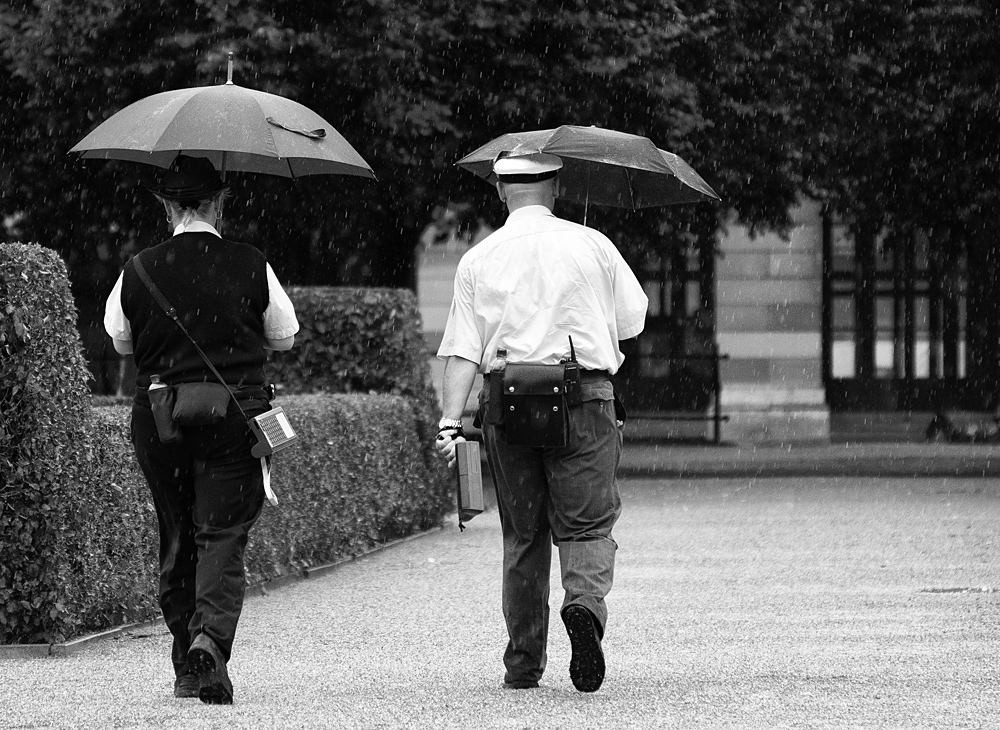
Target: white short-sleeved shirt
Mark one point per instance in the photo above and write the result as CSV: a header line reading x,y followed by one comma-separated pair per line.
x,y
279,317
537,281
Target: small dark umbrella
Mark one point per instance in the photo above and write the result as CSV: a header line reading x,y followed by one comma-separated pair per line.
x,y
601,166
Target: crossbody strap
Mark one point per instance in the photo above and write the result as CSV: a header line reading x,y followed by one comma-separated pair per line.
x,y
171,312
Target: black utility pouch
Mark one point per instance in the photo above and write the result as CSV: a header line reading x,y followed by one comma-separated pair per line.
x,y
535,412
494,404
161,402
201,404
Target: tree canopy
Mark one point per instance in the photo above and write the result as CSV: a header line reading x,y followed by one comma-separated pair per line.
x,y
902,111
886,111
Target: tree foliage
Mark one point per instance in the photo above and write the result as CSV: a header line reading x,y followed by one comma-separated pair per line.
x,y
903,111
860,104
413,85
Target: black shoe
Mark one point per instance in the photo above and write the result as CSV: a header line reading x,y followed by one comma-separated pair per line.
x,y
186,685
206,661
521,684
586,668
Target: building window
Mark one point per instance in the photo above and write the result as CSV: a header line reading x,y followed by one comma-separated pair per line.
x,y
895,308
669,367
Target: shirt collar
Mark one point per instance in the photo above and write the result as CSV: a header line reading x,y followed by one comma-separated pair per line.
x,y
196,227
528,211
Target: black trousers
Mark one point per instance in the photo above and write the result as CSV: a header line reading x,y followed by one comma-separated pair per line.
x,y
208,492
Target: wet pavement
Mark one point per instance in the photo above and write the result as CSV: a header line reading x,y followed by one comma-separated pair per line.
x,y
752,591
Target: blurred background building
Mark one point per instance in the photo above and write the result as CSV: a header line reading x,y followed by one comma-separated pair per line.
x,y
813,336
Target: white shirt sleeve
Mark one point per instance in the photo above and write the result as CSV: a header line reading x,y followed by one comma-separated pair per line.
x,y
279,317
631,301
462,337
116,324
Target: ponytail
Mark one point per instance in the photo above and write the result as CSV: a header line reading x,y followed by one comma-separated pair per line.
x,y
186,210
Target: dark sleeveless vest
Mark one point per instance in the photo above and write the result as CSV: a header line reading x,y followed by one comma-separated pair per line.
x,y
219,289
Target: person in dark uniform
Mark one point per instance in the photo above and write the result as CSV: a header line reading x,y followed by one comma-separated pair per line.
x,y
208,490
528,289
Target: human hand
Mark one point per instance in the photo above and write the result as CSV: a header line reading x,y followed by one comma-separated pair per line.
x,y
446,440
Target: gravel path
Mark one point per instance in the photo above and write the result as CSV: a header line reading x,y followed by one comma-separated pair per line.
x,y
739,603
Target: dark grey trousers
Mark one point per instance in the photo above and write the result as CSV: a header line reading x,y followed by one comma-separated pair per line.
x,y
565,496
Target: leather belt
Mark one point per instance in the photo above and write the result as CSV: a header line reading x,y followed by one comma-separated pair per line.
x,y
586,376
249,392
252,394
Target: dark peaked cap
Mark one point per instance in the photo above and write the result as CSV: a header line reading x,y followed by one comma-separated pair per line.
x,y
190,178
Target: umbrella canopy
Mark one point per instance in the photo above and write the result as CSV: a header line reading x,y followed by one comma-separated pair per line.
x,y
236,128
601,166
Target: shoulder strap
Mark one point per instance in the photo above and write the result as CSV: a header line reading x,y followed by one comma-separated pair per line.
x,y
157,294
171,312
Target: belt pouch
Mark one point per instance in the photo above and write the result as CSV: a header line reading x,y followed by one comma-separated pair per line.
x,y
534,405
161,402
201,404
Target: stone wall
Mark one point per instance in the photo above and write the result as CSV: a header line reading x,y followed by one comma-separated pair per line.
x,y
769,300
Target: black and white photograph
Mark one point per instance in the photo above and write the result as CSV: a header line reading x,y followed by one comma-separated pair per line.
x,y
502,365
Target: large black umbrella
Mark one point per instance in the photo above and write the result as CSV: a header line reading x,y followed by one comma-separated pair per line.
x,y
237,128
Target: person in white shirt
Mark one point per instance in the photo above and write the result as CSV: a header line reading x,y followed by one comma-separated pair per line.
x,y
546,291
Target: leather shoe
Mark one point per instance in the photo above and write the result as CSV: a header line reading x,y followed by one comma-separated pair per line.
x,y
206,661
521,684
186,685
586,667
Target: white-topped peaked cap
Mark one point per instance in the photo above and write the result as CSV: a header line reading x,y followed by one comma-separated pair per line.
x,y
526,168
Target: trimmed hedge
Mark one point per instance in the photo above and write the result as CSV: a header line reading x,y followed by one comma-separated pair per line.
x,y
77,527
44,448
103,564
363,340
354,341
356,480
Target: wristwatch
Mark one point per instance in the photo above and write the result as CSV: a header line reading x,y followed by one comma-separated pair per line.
x,y
446,423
